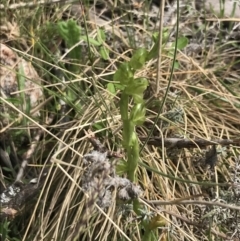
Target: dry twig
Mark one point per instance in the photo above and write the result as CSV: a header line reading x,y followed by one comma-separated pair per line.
x,y
188,143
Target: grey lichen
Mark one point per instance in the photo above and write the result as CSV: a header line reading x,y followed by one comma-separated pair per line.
x,y
100,183
100,180
10,193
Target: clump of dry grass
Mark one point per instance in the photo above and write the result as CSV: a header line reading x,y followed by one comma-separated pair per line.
x,y
201,103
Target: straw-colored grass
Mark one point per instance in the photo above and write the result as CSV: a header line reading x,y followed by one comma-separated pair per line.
x,y
202,102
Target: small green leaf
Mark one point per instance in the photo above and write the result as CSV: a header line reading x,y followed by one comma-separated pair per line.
x,y
91,41
153,53
111,88
136,87
156,222
128,132
70,32
98,126
15,101
119,87
104,52
133,138
138,59
71,95
138,97
137,114
165,35
176,65
182,43
124,74
5,230
155,37
101,37
63,30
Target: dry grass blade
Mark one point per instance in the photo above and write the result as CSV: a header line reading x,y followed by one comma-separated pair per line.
x,y
82,193
33,4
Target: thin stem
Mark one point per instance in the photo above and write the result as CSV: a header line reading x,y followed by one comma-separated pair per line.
x,y
193,202
170,79
133,158
161,8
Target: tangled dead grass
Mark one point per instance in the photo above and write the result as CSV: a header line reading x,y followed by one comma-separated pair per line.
x,y
202,102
